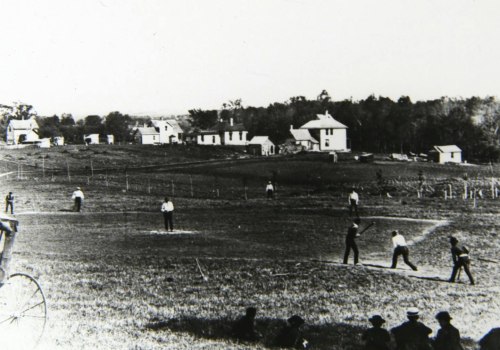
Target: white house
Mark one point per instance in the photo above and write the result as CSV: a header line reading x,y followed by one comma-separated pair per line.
x,y
91,139
331,134
302,139
224,133
19,131
162,132
446,154
262,146
110,139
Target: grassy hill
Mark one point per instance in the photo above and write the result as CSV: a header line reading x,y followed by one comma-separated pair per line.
x,y
114,279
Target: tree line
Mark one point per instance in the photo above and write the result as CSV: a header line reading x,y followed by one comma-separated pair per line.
x,y
375,124
379,124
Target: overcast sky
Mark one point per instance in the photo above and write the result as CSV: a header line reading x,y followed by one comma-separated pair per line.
x,y
165,57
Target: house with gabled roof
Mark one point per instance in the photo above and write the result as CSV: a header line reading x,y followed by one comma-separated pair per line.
x,y
302,140
223,133
446,154
261,146
19,131
330,133
162,132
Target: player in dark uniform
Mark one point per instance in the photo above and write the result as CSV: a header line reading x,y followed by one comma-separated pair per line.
x,y
460,258
350,241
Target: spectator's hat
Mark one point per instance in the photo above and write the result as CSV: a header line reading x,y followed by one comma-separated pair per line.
x,y
376,319
443,315
395,232
296,320
251,311
412,312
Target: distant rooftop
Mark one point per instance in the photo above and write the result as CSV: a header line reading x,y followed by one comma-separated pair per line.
x,y
324,121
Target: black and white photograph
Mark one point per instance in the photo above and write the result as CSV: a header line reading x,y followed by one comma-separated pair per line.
x,y
249,174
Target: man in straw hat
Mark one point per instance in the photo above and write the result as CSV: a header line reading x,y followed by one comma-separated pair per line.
x,y
78,198
460,258
412,334
448,337
376,338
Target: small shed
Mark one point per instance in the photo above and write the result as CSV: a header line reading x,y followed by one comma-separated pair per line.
x,y
43,143
261,146
91,139
110,139
58,141
446,154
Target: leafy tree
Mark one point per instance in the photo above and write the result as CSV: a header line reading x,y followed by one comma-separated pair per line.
x,y
119,125
201,119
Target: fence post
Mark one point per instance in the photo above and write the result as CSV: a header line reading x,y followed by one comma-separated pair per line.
x,y
191,185
69,176
451,191
173,186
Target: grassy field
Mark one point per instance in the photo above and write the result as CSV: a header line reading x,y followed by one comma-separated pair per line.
x,y
115,280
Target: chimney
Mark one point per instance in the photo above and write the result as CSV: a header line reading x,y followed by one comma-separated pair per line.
x,y
231,121
291,126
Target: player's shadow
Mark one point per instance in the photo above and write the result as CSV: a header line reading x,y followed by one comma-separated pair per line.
x,y
327,336
67,210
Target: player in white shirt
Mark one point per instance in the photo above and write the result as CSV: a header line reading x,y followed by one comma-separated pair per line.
x,y
400,248
167,208
353,202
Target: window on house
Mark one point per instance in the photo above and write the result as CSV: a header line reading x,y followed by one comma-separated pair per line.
x,y
331,131
213,139
452,155
230,136
327,143
202,138
241,135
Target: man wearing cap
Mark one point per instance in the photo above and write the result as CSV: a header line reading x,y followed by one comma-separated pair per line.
x,y
290,335
376,338
448,337
460,258
78,198
353,200
350,241
400,248
244,328
412,334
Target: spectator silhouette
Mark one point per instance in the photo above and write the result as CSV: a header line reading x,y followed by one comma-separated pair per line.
x,y
244,328
448,337
412,335
491,341
376,338
290,335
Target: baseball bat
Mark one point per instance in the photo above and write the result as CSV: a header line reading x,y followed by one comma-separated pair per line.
x,y
367,227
